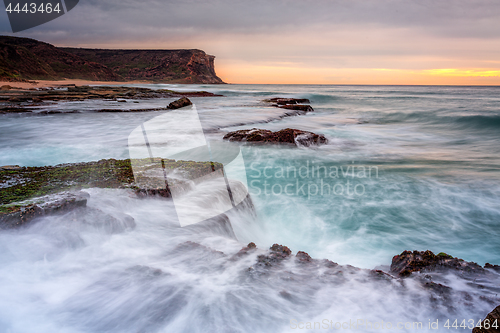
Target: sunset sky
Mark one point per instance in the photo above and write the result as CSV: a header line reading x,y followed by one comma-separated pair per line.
x,y
300,41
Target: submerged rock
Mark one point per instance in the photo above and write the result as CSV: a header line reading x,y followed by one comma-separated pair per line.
x,y
408,262
493,267
296,104
180,103
298,107
285,101
288,135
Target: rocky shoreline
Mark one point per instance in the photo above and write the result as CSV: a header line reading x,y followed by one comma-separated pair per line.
x,y
439,278
14,100
31,192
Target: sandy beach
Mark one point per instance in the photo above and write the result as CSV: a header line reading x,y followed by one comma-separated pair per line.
x,y
58,83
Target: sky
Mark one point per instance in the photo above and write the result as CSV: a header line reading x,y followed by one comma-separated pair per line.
x,y
454,42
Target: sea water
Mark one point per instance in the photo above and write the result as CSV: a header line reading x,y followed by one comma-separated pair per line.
x,y
405,168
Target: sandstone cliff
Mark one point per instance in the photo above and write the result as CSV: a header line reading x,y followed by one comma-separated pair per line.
x,y
176,66
24,58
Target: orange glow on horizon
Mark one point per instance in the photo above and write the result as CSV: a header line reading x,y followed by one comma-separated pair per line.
x,y
283,74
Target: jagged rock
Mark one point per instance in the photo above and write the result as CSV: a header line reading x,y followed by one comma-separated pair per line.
x,y
298,107
144,193
180,103
288,135
23,212
494,267
493,319
285,101
380,275
244,251
408,262
303,257
329,264
291,104
438,288
278,253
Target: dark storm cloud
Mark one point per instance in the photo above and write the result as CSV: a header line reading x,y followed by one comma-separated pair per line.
x,y
259,40
127,19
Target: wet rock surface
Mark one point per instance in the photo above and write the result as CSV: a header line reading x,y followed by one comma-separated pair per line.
x,y
298,107
298,277
409,262
16,100
30,192
285,136
296,104
285,101
23,212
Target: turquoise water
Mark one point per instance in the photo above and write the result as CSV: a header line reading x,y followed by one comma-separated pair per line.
x,y
406,168
434,149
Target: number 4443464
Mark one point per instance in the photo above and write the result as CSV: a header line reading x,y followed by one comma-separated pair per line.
x,y
471,323
33,8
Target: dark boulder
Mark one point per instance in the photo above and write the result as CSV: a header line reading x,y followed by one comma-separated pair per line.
x,y
277,254
288,135
251,247
303,257
180,103
296,104
297,107
285,101
493,267
408,262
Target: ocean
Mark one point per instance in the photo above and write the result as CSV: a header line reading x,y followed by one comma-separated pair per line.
x,y
405,168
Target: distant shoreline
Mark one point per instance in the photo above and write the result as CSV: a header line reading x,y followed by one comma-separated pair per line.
x,y
79,82
61,83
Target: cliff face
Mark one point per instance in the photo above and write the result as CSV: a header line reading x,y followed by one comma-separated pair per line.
x,y
176,66
24,58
